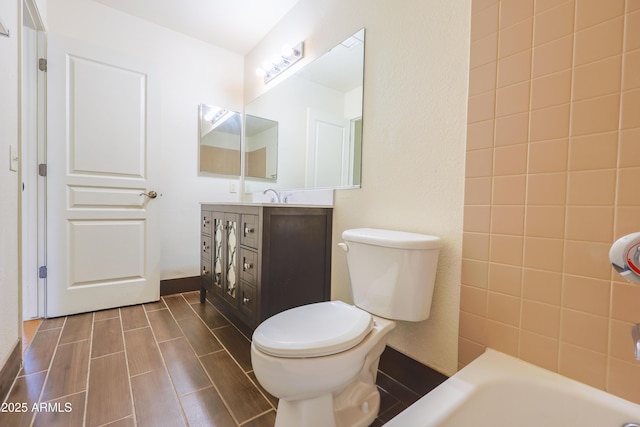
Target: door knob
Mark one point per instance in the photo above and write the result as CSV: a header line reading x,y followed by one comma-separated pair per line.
x,y
151,194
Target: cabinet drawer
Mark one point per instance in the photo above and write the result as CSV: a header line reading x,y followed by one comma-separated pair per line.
x,y
249,231
206,246
248,266
206,278
206,222
248,301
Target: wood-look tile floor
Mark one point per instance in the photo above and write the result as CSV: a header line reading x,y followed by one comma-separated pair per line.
x,y
172,363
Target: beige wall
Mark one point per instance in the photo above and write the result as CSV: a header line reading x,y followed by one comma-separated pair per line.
x,y
415,94
553,166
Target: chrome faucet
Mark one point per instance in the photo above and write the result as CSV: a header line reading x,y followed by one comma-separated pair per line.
x,y
635,334
277,196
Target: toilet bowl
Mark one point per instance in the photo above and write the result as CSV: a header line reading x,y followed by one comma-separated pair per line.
x,y
321,360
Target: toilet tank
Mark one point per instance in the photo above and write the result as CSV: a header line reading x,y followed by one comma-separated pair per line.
x,y
392,272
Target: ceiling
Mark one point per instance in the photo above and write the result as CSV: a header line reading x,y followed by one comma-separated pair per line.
x,y
235,25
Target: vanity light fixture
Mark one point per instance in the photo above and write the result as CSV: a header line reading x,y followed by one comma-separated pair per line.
x,y
216,116
288,56
4,31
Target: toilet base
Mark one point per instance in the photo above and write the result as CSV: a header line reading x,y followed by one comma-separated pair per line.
x,y
356,405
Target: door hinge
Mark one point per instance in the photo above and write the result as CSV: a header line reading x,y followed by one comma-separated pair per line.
x,y
42,272
42,169
42,64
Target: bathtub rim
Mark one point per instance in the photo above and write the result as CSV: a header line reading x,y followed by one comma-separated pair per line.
x,y
496,367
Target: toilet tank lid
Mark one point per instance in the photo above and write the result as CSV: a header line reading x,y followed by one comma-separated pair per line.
x,y
392,239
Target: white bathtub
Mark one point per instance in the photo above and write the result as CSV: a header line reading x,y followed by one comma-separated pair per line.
x,y
499,390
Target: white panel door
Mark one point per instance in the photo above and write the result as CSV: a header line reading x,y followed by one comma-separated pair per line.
x,y
102,237
328,153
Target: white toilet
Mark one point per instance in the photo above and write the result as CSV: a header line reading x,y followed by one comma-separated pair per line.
x,y
321,360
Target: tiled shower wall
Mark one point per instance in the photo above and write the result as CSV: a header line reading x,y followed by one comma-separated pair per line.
x,y
552,179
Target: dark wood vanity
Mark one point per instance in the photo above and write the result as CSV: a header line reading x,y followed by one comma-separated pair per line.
x,y
260,259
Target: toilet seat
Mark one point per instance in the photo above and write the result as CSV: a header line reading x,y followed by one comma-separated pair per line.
x,y
313,330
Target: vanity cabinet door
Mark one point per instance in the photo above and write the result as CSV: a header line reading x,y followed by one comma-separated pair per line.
x,y
231,278
248,302
218,239
249,266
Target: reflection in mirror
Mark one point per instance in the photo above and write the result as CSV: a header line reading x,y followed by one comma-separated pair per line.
x,y
261,148
220,133
319,116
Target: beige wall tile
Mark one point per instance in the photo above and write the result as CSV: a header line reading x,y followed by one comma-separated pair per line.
x,y
585,330
593,187
553,57
583,365
484,50
550,90
621,344
599,42
482,79
631,76
484,23
510,160
514,69
475,246
512,129
539,350
590,223
547,189
506,249
507,220
514,11
630,148
590,259
554,23
545,221
481,107
624,302
542,286
475,273
544,5
468,351
543,254
593,12
473,327
631,109
550,123
595,115
509,190
516,38
506,279
503,308
548,156
502,337
624,378
480,135
543,319
587,294
473,300
477,191
597,151
597,78
632,30
626,221
512,99
477,219
479,163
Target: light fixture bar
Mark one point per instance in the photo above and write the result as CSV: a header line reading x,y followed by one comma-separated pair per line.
x,y
275,67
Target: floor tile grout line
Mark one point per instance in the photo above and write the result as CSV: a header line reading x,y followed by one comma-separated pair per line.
x,y
164,362
86,387
246,373
256,417
46,377
126,362
222,398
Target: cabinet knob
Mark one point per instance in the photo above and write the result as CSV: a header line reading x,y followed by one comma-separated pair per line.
x,y
247,266
248,230
245,300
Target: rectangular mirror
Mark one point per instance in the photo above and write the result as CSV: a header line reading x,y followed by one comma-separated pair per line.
x,y
319,114
261,148
220,136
